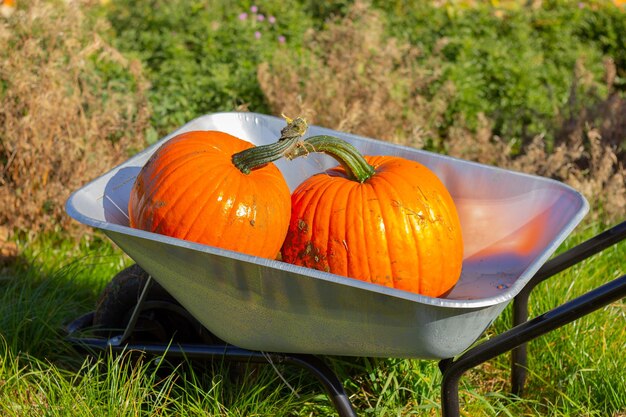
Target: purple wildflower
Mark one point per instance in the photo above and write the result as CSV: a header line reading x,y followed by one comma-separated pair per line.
x,y
243,16
254,9
271,19
281,39
260,18
257,35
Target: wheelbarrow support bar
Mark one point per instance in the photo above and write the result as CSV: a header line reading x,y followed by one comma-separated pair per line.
x,y
314,365
452,369
525,331
552,267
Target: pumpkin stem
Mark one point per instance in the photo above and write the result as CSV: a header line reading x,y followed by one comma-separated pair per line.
x,y
258,156
345,153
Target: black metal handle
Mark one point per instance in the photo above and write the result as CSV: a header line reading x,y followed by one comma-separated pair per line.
x,y
311,363
522,333
558,264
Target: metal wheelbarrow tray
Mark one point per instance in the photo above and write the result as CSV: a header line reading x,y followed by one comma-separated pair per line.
x,y
512,223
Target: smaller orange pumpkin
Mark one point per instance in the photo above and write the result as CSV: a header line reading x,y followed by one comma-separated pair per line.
x,y
213,188
382,219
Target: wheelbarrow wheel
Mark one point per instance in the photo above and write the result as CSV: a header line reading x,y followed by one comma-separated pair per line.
x,y
162,319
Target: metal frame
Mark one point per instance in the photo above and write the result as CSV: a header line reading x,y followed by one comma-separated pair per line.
x,y
452,369
311,363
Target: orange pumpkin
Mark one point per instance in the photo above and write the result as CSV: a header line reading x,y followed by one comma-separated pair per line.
x,y
191,189
382,219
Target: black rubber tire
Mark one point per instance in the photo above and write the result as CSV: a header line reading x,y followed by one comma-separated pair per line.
x,y
162,318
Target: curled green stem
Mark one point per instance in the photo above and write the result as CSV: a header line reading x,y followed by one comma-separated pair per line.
x,y
258,156
345,153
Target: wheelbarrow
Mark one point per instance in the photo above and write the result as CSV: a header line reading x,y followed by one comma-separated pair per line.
x,y
226,304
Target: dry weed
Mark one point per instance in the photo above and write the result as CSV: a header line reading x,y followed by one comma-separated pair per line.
x,y
355,80
8,249
359,81
589,151
61,123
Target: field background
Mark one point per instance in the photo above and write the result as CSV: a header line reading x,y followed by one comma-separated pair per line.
x,y
533,86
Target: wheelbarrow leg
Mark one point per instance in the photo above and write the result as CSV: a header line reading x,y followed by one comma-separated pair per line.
x,y
449,389
130,327
519,358
453,369
328,379
519,354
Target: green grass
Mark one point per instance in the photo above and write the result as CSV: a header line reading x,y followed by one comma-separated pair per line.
x,y
579,370
202,57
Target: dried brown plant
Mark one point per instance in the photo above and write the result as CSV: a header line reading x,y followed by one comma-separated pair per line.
x,y
61,122
356,80
589,150
359,81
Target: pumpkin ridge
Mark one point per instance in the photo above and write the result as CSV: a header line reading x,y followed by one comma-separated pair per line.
x,y
256,190
438,228
234,226
391,194
417,239
175,198
173,165
417,231
355,235
154,195
316,241
367,271
454,245
208,195
219,228
337,222
318,245
183,152
306,203
267,215
382,236
298,198
434,228
266,219
451,212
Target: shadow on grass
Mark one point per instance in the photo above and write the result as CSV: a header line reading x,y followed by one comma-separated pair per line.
x,y
50,283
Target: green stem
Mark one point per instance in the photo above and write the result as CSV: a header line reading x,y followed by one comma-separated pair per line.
x,y
347,155
258,156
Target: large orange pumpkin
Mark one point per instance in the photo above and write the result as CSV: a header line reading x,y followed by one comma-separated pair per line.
x,y
382,219
191,189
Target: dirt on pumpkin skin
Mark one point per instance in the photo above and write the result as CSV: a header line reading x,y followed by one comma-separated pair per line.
x,y
312,257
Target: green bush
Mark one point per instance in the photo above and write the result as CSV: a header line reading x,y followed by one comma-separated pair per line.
x,y
606,29
515,65
203,56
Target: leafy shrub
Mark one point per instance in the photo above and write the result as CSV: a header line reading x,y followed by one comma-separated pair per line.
x,y
371,84
202,57
605,27
467,97
514,65
536,88
71,106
